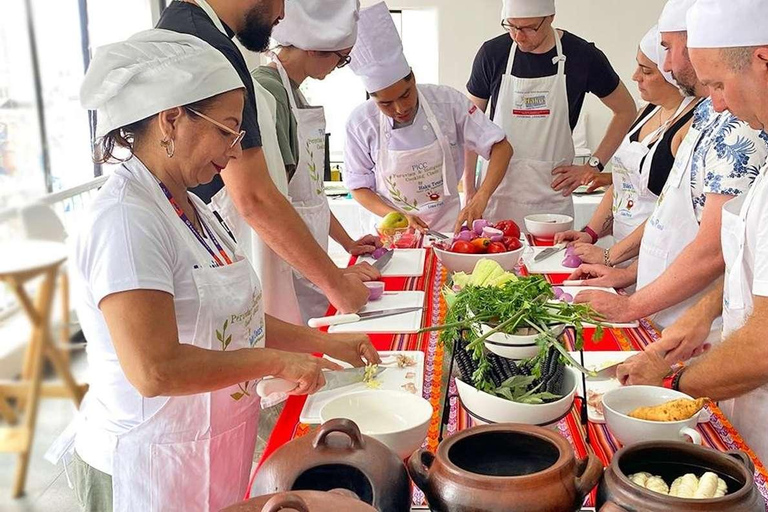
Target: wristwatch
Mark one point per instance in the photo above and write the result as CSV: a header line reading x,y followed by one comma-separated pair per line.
x,y
595,162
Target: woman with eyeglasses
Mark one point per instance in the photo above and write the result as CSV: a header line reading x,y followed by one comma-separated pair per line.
x,y
315,37
532,81
173,314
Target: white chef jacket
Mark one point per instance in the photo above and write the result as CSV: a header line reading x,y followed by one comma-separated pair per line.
x,y
465,126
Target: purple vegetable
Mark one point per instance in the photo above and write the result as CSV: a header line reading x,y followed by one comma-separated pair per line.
x,y
464,235
376,289
479,225
378,253
465,228
569,251
572,261
566,297
558,292
489,232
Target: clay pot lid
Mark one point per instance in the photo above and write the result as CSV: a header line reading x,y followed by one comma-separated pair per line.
x,y
337,500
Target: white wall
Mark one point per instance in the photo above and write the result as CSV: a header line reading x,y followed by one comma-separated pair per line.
x,y
615,26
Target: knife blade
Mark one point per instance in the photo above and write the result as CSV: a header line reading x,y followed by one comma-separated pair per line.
x,y
356,317
333,380
546,253
382,262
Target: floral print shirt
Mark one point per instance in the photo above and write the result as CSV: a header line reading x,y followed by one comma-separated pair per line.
x,y
728,156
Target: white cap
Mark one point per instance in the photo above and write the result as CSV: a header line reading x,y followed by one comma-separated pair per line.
x,y
728,24
377,57
527,8
153,71
651,48
672,18
319,25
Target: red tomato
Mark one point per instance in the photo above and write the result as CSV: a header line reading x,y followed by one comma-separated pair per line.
x,y
481,245
496,247
463,247
512,243
509,228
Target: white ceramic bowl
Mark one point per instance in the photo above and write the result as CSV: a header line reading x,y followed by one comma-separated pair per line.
x,y
545,225
398,419
488,408
511,346
619,402
458,262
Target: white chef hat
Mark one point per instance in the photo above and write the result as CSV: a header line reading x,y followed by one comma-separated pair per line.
x,y
153,71
377,57
731,24
527,8
651,47
319,25
672,18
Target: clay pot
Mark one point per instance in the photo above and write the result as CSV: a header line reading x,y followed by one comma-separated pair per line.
x,y
505,467
304,501
669,460
338,455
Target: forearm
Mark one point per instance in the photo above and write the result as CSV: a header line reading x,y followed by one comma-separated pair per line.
x,y
602,220
372,201
470,174
628,248
501,153
292,338
340,234
710,307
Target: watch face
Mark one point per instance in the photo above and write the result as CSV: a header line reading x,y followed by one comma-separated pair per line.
x,y
594,162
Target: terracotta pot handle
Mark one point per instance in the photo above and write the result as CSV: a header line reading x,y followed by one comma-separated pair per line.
x,y
342,425
283,501
588,473
418,467
743,458
610,506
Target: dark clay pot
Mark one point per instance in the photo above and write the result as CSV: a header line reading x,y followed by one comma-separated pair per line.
x,y
504,468
304,501
669,460
338,456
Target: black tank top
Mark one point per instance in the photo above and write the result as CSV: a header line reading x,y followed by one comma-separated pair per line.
x,y
662,162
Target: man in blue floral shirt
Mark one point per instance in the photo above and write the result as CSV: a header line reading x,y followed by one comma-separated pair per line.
x,y
681,255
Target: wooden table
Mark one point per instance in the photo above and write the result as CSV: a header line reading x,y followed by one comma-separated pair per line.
x,y
21,263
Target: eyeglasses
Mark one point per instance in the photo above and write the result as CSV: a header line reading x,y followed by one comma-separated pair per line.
x,y
528,31
238,135
344,60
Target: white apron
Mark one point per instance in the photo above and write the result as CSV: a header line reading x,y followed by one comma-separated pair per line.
x,y
534,114
421,182
276,275
307,193
633,203
749,412
671,227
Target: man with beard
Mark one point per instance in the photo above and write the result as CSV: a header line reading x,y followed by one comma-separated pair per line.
x,y
245,184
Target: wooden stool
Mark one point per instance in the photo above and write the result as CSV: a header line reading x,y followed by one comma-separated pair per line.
x,y
22,262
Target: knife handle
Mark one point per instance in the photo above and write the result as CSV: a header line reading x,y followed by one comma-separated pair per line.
x,y
272,385
333,320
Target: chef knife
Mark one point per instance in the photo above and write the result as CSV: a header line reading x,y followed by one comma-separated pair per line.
x,y
382,262
333,380
356,317
550,251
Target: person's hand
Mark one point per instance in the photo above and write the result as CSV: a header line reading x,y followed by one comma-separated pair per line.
x,y
588,253
305,370
612,307
363,271
355,349
470,213
683,339
365,245
646,368
602,179
349,294
570,177
600,275
417,224
572,236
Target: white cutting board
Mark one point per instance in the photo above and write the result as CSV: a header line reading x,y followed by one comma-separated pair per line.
x,y
405,323
404,263
551,265
392,378
574,290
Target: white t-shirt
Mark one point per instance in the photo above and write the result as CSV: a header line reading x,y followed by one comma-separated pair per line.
x,y
125,243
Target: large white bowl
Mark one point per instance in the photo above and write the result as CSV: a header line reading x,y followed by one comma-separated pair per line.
x,y
488,408
458,262
619,402
546,225
398,419
511,346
